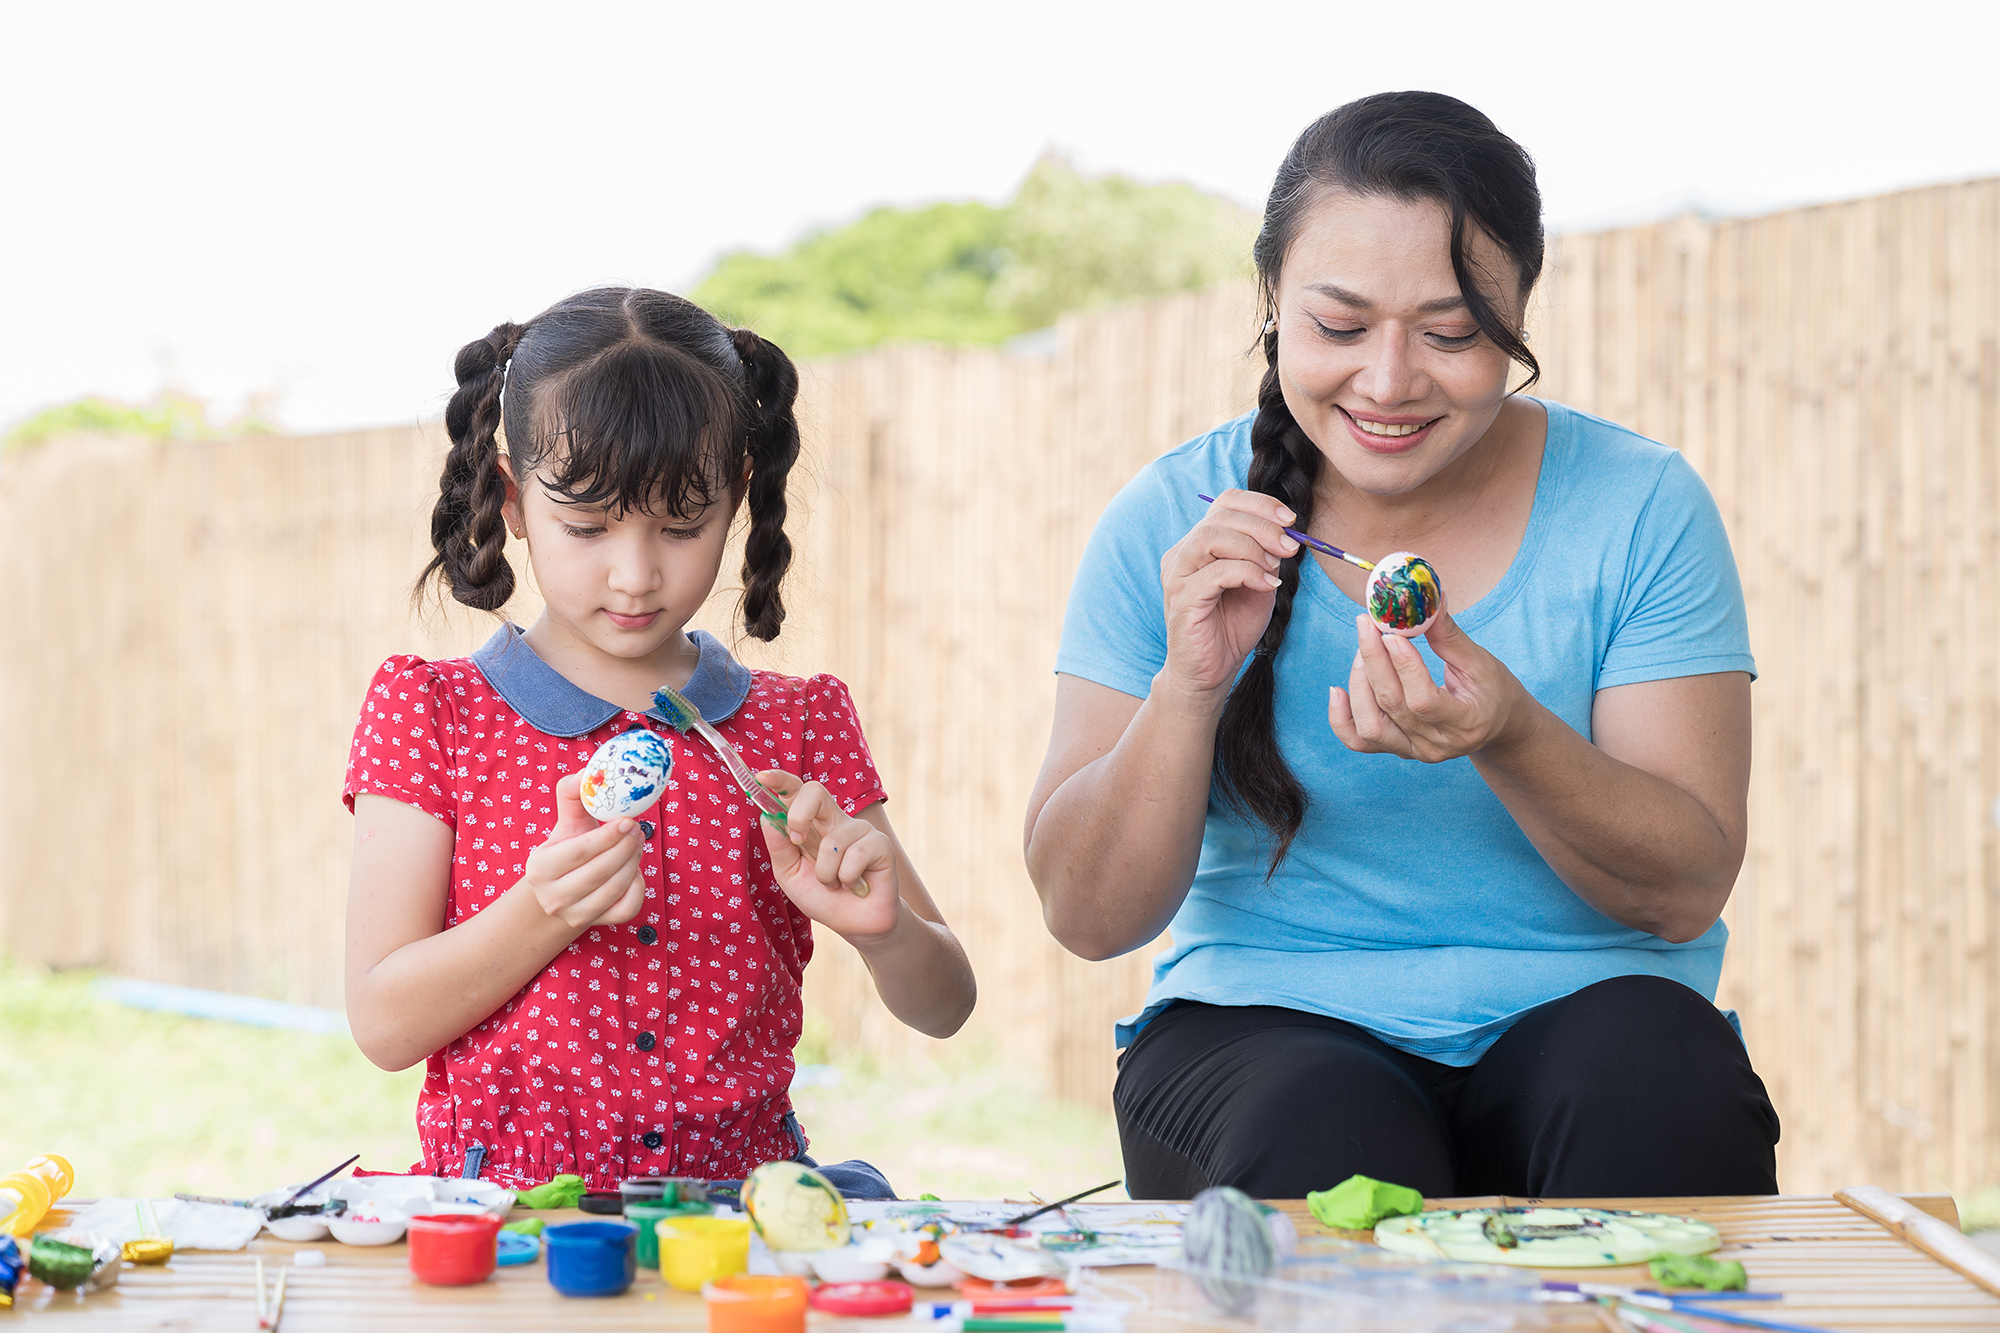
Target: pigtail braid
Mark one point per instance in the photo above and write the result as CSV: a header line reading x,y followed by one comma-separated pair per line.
x,y
774,447
468,531
1250,768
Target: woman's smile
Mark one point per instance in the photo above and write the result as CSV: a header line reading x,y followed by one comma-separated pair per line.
x,y
1387,435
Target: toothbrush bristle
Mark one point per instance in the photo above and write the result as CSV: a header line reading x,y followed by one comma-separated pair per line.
x,y
674,707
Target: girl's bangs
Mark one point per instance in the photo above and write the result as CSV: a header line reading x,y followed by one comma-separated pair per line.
x,y
641,428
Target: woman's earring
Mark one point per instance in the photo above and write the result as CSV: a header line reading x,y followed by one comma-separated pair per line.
x,y
1270,326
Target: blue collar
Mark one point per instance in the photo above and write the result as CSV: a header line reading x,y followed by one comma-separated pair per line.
x,y
550,703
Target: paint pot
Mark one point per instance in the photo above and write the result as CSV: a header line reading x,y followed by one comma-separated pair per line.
x,y
453,1249
754,1303
643,1213
691,1251
592,1258
605,1203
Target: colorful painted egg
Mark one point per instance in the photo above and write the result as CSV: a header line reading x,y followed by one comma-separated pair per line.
x,y
1404,594
626,775
794,1207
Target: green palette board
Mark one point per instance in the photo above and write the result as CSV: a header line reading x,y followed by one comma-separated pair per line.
x,y
1546,1237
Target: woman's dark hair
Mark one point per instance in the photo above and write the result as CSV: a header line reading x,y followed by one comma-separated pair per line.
x,y
635,399
1412,147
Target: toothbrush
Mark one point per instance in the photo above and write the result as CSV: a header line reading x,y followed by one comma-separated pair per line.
x,y
684,717
1324,548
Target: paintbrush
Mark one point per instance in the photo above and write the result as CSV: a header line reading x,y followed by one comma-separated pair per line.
x,y
1051,1207
303,1190
684,717
1324,548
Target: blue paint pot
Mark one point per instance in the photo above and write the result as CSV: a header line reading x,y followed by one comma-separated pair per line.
x,y
592,1258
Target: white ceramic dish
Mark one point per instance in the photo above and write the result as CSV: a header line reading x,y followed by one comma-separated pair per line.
x,y
416,1195
297,1228
368,1223
848,1264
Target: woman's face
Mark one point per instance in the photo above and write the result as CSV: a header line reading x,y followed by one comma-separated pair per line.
x,y
1379,359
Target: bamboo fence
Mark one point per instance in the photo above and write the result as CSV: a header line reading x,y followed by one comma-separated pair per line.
x,y
190,626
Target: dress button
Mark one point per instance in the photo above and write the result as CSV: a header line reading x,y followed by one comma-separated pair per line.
x,y
645,1042
651,1138
648,935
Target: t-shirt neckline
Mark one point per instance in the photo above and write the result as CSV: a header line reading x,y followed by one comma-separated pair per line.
x,y
1548,488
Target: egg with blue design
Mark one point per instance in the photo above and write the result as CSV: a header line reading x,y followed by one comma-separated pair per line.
x,y
626,775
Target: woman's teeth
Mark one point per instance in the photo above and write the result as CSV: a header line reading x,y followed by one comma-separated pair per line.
x,y
1384,428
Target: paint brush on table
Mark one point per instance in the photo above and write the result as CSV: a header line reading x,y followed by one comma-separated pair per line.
x,y
1324,548
1051,1207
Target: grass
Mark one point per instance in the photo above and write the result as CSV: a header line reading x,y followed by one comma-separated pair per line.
x,y
150,1103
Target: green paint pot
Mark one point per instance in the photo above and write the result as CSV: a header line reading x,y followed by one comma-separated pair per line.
x,y
647,1212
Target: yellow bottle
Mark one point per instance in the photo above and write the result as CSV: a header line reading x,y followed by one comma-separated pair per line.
x,y
28,1194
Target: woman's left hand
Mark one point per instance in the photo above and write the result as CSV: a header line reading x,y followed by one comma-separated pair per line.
x,y
1392,706
837,869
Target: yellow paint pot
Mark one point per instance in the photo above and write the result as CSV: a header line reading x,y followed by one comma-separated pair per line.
x,y
697,1250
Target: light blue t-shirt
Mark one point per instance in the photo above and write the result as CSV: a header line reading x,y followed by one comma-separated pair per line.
x,y
1435,939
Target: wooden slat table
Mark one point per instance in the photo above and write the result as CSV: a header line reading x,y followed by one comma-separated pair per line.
x,y
1837,1268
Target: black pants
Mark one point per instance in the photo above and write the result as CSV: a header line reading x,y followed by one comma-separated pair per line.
x,y
1634,1086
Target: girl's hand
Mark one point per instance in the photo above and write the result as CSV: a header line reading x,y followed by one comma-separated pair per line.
x,y
587,874
1391,705
838,870
1221,581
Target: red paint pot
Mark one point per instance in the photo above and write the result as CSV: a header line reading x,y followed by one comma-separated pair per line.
x,y
453,1249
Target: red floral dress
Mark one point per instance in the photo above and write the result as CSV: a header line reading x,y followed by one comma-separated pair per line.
x,y
662,1046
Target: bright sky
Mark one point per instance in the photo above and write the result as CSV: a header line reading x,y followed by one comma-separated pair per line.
x,y
324,201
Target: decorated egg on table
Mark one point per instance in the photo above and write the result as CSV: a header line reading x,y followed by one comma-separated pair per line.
x,y
626,775
1404,594
794,1207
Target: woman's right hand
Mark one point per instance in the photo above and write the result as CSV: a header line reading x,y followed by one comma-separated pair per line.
x,y
586,873
1221,582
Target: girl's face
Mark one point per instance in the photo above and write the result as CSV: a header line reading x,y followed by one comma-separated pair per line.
x,y
624,583
1379,359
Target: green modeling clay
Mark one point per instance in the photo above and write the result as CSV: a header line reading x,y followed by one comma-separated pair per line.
x,y
562,1192
527,1226
1359,1202
1698,1270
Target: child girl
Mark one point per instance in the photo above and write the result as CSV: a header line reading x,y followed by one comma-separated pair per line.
x,y
615,1000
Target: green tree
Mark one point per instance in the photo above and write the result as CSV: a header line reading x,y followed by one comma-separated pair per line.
x,y
170,416
922,273
972,273
1077,242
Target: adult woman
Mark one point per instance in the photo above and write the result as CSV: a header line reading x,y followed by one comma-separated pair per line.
x,y
1468,941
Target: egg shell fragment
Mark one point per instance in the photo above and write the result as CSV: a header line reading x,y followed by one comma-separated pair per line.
x,y
1404,594
626,775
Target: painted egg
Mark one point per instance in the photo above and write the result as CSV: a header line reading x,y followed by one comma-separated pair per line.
x,y
794,1207
626,775
1404,594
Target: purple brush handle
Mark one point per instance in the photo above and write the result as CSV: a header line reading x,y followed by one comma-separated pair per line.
x,y
1324,548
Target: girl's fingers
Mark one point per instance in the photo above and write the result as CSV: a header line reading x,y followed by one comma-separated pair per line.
x,y
866,859
557,860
